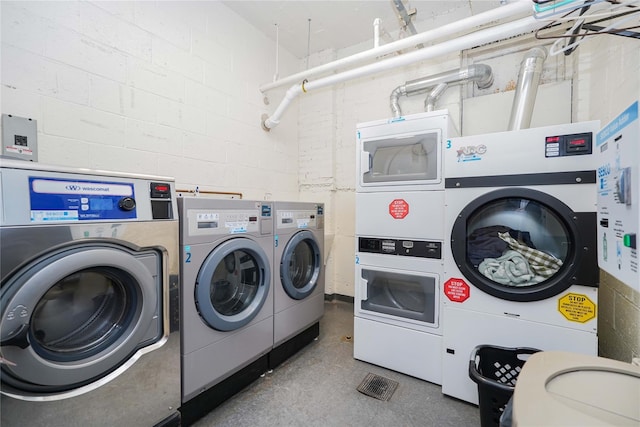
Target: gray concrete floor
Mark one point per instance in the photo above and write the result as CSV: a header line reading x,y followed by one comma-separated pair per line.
x,y
317,387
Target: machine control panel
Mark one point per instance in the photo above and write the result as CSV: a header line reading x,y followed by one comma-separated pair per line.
x,y
35,193
413,248
298,219
61,200
215,222
568,145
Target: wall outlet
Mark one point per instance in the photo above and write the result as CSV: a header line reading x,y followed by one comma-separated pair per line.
x,y
635,361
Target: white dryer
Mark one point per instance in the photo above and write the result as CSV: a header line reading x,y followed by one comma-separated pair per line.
x,y
89,262
397,305
226,253
520,253
298,277
399,181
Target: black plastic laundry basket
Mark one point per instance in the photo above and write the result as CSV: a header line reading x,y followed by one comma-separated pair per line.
x,y
495,370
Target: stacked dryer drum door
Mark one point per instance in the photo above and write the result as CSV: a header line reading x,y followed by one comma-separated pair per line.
x,y
226,257
520,254
399,240
298,277
88,262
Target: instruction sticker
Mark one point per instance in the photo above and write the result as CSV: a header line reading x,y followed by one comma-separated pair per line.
x,y
577,308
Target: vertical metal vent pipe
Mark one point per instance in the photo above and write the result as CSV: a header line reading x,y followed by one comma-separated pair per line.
x,y
527,88
479,73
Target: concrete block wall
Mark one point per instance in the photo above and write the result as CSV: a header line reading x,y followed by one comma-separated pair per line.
x,y
165,88
608,82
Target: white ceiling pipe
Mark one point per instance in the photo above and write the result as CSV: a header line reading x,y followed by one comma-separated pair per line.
x,y
468,41
518,7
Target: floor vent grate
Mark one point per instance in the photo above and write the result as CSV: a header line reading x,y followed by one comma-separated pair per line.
x,y
379,387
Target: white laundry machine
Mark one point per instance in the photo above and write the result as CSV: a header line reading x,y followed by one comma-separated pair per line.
x,y
403,153
399,180
397,305
298,277
89,260
399,239
226,254
520,253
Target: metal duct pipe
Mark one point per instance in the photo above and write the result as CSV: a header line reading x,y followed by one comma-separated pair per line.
x,y
478,38
479,73
434,95
527,88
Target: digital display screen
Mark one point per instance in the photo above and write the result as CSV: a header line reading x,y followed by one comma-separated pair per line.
x,y
101,204
211,224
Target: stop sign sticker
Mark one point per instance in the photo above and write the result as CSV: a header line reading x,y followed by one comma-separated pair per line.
x,y
399,208
456,290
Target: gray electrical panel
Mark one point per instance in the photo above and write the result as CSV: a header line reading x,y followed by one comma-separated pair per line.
x,y
19,138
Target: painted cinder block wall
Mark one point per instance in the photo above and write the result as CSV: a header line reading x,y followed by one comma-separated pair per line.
x,y
164,88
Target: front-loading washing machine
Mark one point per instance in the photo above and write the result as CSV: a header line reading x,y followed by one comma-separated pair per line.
x,y
226,254
298,277
89,260
520,253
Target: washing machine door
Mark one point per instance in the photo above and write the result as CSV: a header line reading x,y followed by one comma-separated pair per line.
x,y
300,265
520,244
233,284
75,315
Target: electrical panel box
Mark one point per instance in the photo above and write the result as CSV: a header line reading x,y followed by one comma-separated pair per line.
x,y
619,196
19,138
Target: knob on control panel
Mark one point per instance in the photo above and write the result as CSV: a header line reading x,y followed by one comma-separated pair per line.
x,y
127,203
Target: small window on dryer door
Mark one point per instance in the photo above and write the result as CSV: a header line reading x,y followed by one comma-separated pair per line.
x,y
409,159
401,295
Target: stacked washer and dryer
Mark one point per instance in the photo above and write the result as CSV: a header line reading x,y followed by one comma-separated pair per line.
x,y
520,249
89,267
399,243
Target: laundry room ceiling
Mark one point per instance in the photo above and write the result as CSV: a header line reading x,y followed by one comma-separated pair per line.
x,y
305,27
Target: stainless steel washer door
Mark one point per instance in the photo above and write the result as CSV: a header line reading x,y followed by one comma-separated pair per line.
x,y
300,265
233,284
74,315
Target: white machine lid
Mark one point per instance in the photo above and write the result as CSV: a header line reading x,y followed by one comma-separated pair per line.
x,y
568,389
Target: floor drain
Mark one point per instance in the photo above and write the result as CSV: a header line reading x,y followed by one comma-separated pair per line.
x,y
379,387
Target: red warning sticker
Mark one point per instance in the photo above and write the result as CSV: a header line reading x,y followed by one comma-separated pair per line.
x,y
399,208
456,290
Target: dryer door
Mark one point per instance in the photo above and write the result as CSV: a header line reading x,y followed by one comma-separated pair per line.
x,y
300,265
406,159
73,317
233,284
521,244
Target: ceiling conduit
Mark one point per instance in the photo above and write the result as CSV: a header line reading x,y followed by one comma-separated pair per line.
x,y
527,88
481,74
511,10
478,38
